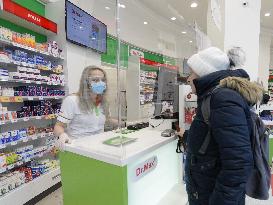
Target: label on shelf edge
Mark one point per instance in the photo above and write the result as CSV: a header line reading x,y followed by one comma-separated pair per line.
x,y
3,170
25,140
11,166
41,98
2,146
28,81
13,143
34,137
38,117
38,82
19,163
2,122
30,98
14,120
26,119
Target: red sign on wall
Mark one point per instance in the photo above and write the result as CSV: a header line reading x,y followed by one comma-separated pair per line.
x,y
24,13
156,64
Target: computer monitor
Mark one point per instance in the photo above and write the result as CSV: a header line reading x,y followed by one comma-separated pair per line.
x,y
167,94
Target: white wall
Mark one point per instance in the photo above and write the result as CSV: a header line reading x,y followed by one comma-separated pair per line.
x,y
264,58
242,28
216,36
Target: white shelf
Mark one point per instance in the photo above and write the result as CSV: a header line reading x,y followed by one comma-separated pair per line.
x,y
28,191
30,82
266,107
30,98
27,139
33,50
13,63
26,119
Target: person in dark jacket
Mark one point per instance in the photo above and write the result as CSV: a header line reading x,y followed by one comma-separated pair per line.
x,y
219,176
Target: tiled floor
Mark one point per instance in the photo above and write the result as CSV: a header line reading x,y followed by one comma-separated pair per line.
x,y
177,196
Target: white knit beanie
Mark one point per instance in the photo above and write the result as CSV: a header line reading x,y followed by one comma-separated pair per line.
x,y
208,61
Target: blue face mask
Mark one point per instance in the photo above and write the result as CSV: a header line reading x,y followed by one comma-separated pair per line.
x,y
98,87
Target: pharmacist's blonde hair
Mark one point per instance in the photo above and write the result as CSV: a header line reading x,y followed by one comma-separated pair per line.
x,y
85,103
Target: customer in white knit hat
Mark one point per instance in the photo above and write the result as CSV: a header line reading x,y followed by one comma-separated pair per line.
x,y
218,148
205,62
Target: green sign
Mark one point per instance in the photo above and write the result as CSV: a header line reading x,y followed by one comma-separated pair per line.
x,y
126,50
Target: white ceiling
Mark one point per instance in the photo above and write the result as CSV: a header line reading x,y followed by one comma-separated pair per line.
x,y
185,15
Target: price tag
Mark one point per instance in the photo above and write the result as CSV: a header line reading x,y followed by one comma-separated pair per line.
x,y
13,143
38,82
19,163
26,119
56,97
34,137
54,83
17,63
27,159
41,98
24,64
11,166
25,139
14,120
30,98
38,117
3,170
49,83
2,122
2,146
28,81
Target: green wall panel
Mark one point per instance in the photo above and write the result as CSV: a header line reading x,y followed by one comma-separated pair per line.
x,y
39,37
32,5
91,182
111,55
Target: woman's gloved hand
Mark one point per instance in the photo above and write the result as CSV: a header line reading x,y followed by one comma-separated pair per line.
x,y
62,139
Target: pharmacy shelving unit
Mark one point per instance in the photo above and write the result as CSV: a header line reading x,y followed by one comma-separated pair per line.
x,y
32,189
137,87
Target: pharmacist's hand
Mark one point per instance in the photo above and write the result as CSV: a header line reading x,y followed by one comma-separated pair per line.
x,y
181,132
63,138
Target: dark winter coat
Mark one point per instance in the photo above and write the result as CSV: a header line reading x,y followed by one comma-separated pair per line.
x,y
219,176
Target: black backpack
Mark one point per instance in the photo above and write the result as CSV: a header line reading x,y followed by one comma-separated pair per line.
x,y
258,184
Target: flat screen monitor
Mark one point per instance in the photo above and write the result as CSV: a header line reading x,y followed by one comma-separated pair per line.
x,y
166,100
85,30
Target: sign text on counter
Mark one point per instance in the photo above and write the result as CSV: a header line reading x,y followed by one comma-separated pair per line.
x,y
145,167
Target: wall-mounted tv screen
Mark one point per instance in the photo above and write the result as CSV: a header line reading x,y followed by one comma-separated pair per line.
x,y
85,30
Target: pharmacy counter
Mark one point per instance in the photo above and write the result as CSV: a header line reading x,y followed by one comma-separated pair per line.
x,y
141,172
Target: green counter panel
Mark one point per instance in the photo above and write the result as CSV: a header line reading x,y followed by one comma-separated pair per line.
x,y
91,182
270,150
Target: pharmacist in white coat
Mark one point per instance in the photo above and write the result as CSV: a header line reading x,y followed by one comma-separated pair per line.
x,y
84,113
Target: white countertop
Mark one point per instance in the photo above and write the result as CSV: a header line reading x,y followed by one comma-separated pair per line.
x,y
148,140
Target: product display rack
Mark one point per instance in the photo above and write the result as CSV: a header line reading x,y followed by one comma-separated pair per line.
x,y
140,90
41,142
28,191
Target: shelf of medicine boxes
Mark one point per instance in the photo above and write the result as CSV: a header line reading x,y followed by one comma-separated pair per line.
x,y
26,119
29,49
26,139
28,65
20,163
19,99
28,191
